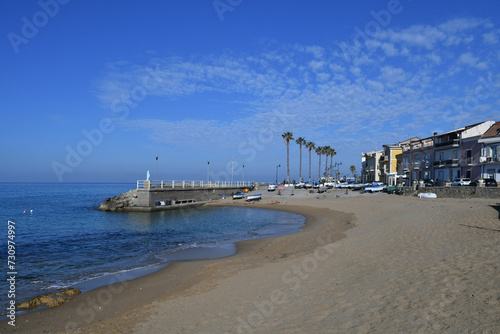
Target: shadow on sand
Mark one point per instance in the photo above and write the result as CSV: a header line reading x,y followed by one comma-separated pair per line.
x,y
496,207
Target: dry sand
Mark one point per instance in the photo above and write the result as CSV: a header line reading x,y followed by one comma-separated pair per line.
x,y
370,263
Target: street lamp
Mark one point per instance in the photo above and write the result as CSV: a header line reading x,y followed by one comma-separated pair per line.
x,y
232,171
208,171
337,164
277,173
243,174
156,172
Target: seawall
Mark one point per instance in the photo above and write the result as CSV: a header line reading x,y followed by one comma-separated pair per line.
x,y
456,192
159,199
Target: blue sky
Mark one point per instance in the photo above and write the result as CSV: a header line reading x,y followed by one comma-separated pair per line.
x,y
93,90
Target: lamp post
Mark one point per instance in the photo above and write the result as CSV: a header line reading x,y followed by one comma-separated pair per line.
x,y
208,171
243,174
156,172
277,173
337,164
232,170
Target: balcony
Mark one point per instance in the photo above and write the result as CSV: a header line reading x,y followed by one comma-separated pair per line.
x,y
451,143
486,159
442,163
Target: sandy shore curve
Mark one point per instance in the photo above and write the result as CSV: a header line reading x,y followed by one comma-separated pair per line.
x,y
362,264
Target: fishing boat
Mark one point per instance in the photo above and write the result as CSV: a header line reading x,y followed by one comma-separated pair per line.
x,y
255,197
427,195
359,186
238,196
308,185
300,185
390,189
375,187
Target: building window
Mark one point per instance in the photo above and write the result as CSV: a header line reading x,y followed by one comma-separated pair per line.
x,y
469,157
417,161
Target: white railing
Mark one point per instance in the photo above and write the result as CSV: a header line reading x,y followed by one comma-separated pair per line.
x,y
175,184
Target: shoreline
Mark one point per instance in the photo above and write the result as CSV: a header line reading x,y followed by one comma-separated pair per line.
x,y
120,292
409,265
201,252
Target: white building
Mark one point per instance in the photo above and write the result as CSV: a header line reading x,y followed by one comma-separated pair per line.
x,y
490,153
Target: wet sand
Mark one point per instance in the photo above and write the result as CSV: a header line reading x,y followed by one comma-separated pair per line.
x,y
370,263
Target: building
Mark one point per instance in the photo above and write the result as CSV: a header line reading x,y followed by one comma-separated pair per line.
x,y
422,158
489,159
410,160
371,166
389,164
471,151
456,153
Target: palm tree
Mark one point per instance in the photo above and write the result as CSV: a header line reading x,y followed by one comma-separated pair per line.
x,y
311,146
326,152
332,154
319,152
300,141
287,136
353,169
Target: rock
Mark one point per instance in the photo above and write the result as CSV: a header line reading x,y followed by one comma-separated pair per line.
x,y
51,299
119,202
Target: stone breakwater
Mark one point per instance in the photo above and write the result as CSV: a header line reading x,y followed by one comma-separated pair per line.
x,y
159,199
118,203
457,192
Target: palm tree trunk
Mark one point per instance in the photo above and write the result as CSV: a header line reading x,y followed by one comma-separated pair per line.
x,y
309,165
331,165
319,167
287,161
326,163
300,168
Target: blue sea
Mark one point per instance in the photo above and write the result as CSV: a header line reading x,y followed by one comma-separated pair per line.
x,y
61,241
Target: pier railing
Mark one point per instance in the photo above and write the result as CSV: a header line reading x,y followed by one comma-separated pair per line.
x,y
175,184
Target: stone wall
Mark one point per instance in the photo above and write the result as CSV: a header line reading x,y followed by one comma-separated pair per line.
x,y
456,192
147,198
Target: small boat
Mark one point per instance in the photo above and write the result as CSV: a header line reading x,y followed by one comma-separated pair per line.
x,y
330,185
376,187
322,188
271,187
255,197
308,185
390,189
427,195
359,186
238,196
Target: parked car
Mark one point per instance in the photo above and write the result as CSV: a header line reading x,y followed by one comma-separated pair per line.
x,y
487,183
463,181
429,183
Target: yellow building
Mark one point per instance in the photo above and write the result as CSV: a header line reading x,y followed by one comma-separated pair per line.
x,y
389,163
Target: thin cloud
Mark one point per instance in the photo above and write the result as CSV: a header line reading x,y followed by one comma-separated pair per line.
x,y
404,79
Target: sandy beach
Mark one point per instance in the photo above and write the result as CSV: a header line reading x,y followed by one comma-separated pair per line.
x,y
364,263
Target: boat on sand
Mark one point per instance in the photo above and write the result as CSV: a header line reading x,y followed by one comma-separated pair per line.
x,y
255,197
238,196
427,195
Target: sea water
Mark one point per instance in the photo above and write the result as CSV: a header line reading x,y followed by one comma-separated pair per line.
x,y
61,241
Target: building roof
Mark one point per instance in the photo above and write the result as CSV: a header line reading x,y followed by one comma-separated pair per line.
x,y
462,129
493,131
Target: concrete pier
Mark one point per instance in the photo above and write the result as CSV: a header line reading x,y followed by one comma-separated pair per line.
x,y
154,198
169,198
